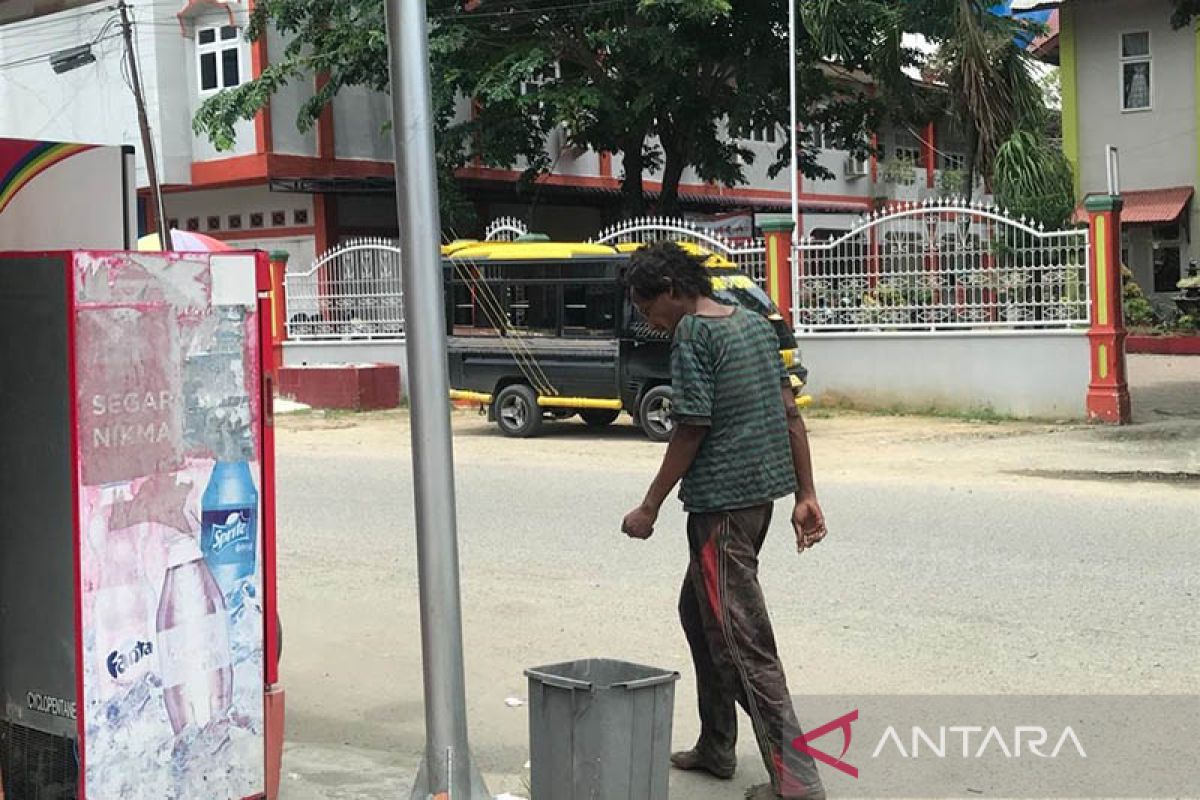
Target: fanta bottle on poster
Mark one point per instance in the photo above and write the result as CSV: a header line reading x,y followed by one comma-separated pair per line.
x,y
229,528
122,610
193,640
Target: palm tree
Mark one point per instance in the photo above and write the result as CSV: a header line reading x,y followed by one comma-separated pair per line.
x,y
990,87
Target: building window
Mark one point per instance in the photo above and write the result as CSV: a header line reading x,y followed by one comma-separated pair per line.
x,y
1135,71
1168,263
278,218
235,222
214,223
219,52
193,223
954,161
256,219
541,78
300,216
765,135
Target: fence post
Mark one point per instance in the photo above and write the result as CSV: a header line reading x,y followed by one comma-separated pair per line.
x,y
1108,392
279,259
778,235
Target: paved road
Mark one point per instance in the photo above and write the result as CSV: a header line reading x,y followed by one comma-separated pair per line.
x,y
943,573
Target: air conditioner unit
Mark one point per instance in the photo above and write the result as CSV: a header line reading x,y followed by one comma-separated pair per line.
x,y
856,167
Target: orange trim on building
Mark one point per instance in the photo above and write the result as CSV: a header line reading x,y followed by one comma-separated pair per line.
x,y
605,164
263,134
249,169
326,144
322,229
588,181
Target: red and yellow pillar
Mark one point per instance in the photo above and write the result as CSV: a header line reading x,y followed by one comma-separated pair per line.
x,y
279,259
779,265
1108,391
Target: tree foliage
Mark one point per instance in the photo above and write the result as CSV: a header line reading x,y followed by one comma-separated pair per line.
x,y
1032,179
660,83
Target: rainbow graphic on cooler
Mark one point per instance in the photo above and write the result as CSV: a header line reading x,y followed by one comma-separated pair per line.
x,y
21,162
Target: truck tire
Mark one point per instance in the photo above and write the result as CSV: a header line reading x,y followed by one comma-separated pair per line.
x,y
654,414
517,411
599,417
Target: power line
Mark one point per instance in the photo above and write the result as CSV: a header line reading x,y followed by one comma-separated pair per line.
x,y
26,61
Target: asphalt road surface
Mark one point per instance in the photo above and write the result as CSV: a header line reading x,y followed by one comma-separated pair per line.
x,y
945,571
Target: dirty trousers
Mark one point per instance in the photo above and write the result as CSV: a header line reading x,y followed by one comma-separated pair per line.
x,y
733,649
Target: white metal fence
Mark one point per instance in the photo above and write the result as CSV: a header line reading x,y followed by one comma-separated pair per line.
x,y
352,291
942,265
750,257
504,229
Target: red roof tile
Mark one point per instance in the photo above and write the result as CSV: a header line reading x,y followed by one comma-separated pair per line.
x,y
1147,206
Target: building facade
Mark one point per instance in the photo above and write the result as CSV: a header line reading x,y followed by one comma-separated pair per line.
x,y
1130,80
281,188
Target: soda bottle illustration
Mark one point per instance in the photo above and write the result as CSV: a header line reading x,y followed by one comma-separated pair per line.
x,y
228,528
123,607
193,640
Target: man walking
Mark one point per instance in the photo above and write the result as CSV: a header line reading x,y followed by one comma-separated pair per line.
x,y
739,444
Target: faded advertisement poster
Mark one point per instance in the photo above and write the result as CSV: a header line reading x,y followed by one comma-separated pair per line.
x,y
169,520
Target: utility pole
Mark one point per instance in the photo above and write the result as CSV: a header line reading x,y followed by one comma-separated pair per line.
x,y
447,770
164,232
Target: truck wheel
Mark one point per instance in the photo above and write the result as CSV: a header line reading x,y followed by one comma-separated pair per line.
x,y
599,417
517,411
654,414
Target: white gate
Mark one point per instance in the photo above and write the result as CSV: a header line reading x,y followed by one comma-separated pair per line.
x,y
751,257
353,291
942,265
504,229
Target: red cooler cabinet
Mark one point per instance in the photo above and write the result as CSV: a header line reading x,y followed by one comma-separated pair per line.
x,y
138,632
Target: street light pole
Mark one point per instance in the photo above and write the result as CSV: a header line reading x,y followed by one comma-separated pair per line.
x,y
792,106
164,232
447,769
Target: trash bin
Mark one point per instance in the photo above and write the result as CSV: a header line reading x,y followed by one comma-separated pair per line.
x,y
600,729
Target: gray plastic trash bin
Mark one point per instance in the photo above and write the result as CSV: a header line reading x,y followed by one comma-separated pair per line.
x,y
600,730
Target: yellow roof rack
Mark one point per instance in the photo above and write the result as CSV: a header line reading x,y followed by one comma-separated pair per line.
x,y
504,251
713,260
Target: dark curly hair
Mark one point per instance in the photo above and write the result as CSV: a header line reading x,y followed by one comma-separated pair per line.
x,y
662,266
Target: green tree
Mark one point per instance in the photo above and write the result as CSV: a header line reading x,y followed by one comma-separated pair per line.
x,y
659,82
1032,179
990,88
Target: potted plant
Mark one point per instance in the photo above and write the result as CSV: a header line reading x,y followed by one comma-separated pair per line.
x,y
1188,299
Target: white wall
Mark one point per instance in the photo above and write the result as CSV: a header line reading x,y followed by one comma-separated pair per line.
x,y
244,201
90,104
285,106
1037,374
359,117
1157,147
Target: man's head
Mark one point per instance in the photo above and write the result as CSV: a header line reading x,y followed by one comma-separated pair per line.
x,y
665,282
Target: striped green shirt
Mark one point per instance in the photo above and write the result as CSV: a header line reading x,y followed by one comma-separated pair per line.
x,y
726,373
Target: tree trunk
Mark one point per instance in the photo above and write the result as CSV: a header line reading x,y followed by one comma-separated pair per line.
x,y
668,199
969,173
633,199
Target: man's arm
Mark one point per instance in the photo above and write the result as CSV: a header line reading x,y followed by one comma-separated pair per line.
x,y
681,452
808,520
798,437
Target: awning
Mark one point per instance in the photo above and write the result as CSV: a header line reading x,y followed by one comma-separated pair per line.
x,y
1149,206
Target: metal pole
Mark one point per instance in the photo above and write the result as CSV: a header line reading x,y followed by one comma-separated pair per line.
x,y
164,232
796,232
1114,170
447,766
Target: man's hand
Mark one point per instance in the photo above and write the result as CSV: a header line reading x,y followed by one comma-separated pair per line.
x,y
639,523
809,523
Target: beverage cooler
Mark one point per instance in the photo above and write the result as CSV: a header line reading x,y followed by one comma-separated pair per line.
x,y
138,631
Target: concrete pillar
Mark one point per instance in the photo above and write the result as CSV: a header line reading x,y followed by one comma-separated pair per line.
x,y
1108,391
779,265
